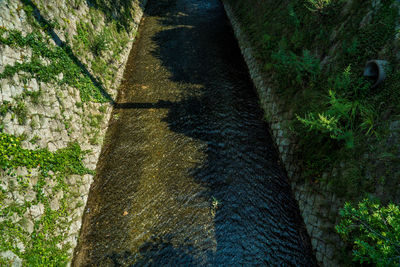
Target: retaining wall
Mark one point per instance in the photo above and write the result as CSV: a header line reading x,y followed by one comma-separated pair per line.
x,y
41,210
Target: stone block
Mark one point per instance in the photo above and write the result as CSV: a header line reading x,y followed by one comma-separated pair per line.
x,y
9,255
27,225
36,210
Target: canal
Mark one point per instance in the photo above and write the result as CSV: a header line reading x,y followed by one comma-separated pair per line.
x,y
188,174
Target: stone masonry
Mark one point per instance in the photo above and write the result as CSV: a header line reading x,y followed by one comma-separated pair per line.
x,y
56,119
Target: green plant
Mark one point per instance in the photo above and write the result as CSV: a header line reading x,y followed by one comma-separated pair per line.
x,y
21,111
61,62
295,72
336,120
41,245
99,44
373,230
35,96
344,115
34,139
103,109
96,120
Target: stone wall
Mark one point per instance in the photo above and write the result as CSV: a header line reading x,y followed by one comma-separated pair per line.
x,y
45,114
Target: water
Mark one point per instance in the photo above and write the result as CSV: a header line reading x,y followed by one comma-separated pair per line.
x,y
189,175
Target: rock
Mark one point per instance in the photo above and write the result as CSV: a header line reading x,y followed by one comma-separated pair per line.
x,y
36,210
14,259
27,225
30,196
6,91
55,202
75,227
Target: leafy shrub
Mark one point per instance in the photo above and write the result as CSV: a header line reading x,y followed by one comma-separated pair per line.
x,y
373,230
335,121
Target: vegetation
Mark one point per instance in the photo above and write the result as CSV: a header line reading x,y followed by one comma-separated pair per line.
x,y
314,52
316,62
123,18
41,245
75,62
373,230
60,62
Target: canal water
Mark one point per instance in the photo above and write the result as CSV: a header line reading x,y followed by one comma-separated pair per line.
x,y
188,175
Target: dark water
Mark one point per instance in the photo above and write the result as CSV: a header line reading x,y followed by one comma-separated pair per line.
x,y
189,175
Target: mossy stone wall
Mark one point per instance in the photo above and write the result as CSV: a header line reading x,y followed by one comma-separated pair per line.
x,y
61,63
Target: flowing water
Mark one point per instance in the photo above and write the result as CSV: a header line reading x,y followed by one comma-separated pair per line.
x,y
189,175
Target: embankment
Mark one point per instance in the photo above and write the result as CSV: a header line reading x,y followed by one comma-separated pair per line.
x,y
296,54
61,63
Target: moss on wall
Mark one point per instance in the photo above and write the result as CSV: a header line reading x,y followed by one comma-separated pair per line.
x,y
60,66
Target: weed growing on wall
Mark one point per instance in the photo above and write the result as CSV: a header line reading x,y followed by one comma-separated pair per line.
x,y
341,123
35,207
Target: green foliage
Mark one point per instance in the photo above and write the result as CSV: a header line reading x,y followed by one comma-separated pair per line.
x,y
82,35
295,72
60,59
96,120
99,44
119,11
374,232
67,160
339,117
41,247
34,139
21,111
321,6
345,114
43,250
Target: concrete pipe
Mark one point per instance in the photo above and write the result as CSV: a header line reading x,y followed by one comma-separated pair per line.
x,y
376,70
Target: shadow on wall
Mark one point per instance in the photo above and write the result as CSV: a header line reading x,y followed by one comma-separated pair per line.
x,y
257,221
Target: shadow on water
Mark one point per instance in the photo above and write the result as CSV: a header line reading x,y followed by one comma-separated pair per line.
x,y
157,252
208,97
